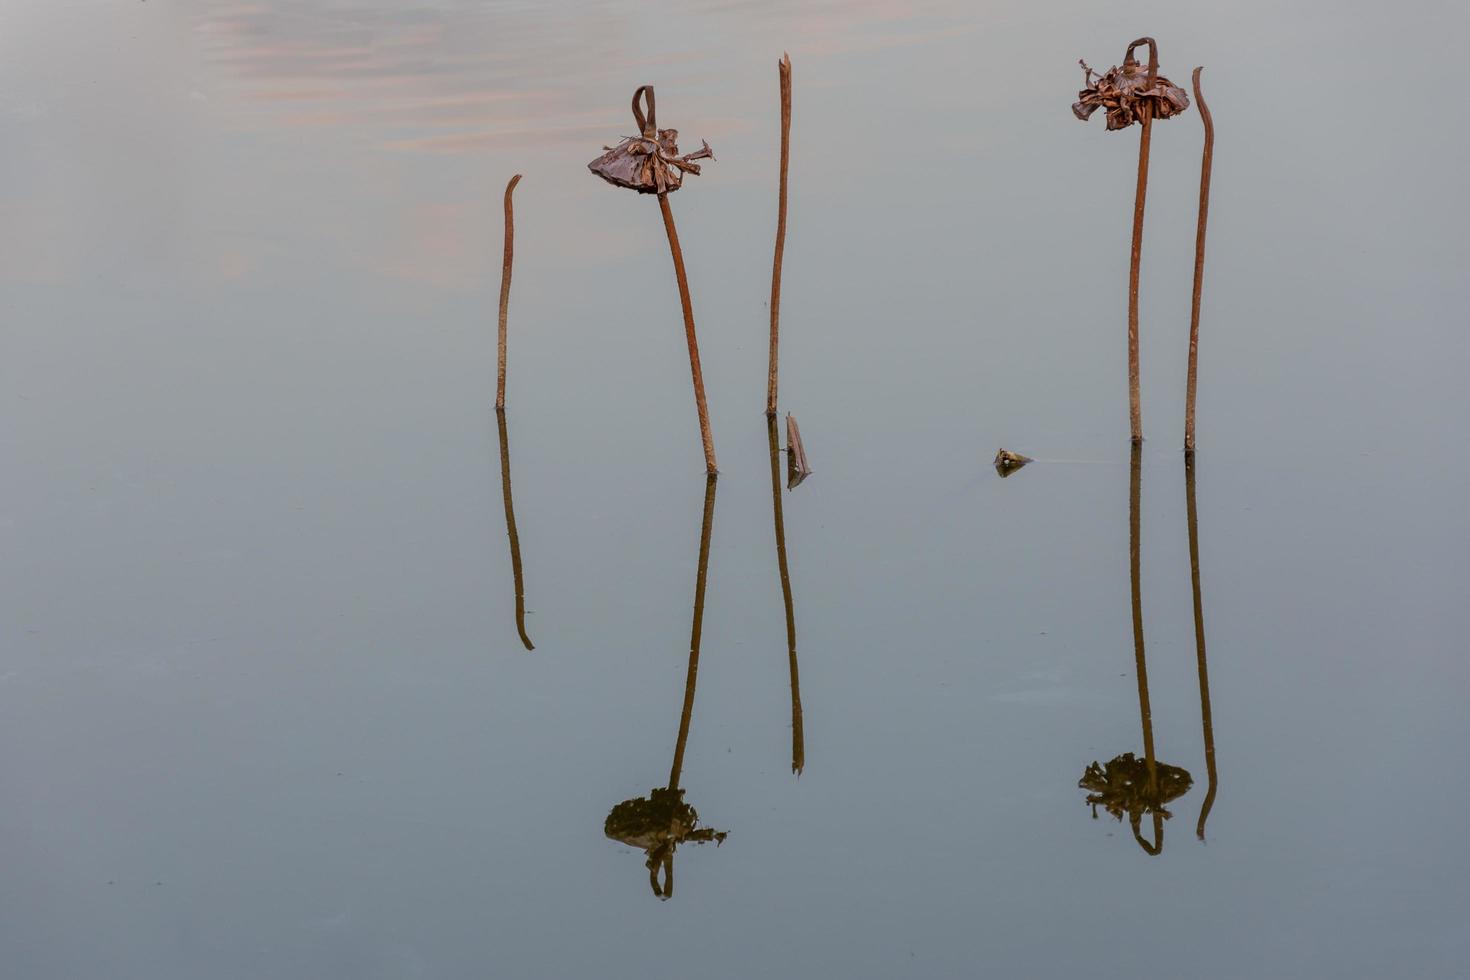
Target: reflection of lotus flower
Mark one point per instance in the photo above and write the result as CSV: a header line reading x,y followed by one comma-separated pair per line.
x,y
657,824
656,819
1125,92
1123,786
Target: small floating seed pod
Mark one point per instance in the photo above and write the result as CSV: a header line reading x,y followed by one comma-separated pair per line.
x,y
1007,462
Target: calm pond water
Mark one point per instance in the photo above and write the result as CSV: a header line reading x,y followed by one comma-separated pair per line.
x,y
264,708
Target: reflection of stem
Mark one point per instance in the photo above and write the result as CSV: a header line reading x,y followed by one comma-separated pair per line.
x,y
784,66
1135,492
666,862
1199,646
1134,563
704,430
510,529
1199,261
695,630
798,742
1157,846
510,238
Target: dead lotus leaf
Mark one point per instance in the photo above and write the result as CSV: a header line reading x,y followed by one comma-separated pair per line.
x,y
1130,92
648,163
797,467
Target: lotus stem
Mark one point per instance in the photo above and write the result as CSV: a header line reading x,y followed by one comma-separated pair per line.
x,y
509,257
699,402
1135,410
784,67
1206,161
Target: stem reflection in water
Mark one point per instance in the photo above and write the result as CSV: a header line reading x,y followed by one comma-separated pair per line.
x,y
510,529
661,821
1199,647
798,743
1127,784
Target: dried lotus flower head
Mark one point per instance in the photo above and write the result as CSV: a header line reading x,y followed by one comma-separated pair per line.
x,y
648,163
1127,93
1133,94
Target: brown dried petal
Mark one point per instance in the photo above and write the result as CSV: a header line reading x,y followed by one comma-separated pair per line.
x,y
648,166
1125,94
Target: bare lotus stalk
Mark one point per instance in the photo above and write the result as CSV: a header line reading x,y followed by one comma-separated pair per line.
x,y
1135,254
1135,407
705,435
784,67
509,257
650,163
1206,161
1132,94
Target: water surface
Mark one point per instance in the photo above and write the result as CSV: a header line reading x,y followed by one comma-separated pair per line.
x,y
264,704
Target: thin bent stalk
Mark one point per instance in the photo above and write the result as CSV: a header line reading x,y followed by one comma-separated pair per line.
x,y
696,630
694,369
798,740
784,66
1206,160
1199,646
510,529
509,256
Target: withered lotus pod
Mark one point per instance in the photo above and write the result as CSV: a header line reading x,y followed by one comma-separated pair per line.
x,y
648,163
1007,462
1130,91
